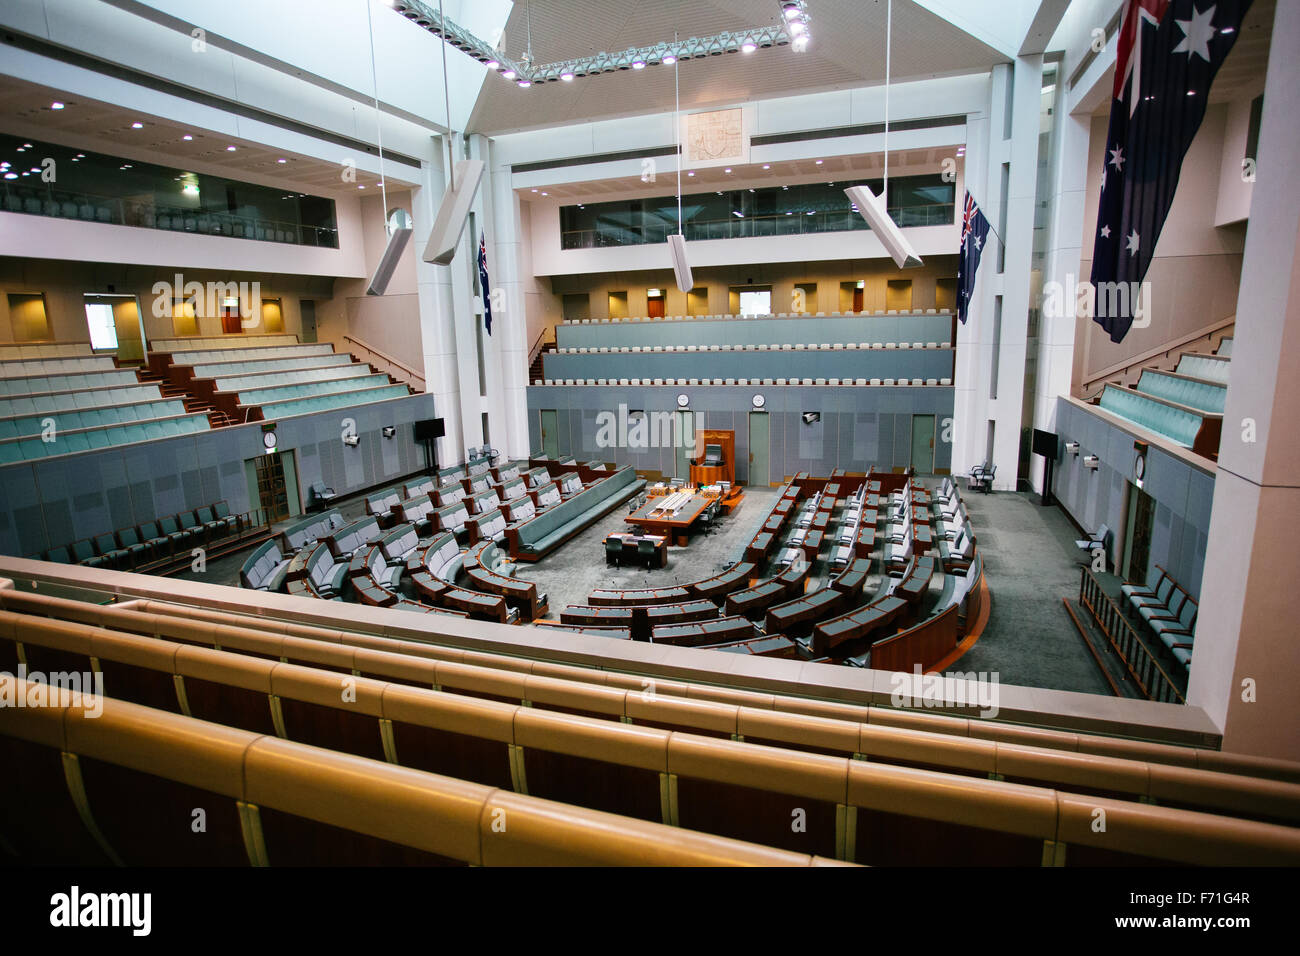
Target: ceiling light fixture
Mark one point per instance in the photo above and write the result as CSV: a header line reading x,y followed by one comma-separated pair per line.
x,y
668,59
281,160
230,149
638,64
524,84
749,46
567,77
56,105
509,74
873,208
137,125
677,243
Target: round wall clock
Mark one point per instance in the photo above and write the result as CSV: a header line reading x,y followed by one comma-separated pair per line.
x,y
268,439
683,400
759,401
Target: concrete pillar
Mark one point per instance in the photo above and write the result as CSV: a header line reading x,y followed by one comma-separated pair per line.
x,y
1246,661
1056,333
988,148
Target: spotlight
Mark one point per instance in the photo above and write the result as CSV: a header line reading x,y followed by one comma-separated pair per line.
x,y
509,74
524,84
800,43
669,60
567,77
492,64
790,10
282,160
389,431
798,28
231,149
56,105
137,125
638,64
749,46
187,137
812,418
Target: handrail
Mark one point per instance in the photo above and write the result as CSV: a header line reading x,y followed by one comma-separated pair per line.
x,y
412,376
1142,666
1118,373
538,344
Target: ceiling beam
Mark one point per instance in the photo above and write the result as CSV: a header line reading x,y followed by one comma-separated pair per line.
x,y
1041,29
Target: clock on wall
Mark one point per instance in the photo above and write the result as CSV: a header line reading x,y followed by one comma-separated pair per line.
x,y
683,400
269,439
759,401
1139,467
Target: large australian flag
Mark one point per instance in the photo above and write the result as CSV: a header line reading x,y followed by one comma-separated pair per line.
x,y
1168,54
974,232
483,283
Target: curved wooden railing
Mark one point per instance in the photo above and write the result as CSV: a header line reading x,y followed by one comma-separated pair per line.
x,y
390,365
1164,357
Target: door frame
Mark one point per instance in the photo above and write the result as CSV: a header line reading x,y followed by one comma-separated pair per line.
x,y
767,452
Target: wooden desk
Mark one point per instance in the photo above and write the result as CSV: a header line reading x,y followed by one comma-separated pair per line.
x,y
632,551
652,517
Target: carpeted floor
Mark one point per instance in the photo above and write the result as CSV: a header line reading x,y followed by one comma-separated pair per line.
x,y
1029,558
1030,563
569,574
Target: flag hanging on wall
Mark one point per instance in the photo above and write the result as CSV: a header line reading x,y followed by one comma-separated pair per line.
x,y
974,231
1167,56
483,283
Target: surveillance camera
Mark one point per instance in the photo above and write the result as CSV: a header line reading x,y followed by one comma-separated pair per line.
x,y
389,431
352,440
1091,461
1072,448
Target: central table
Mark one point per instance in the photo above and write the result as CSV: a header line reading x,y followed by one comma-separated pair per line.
x,y
674,522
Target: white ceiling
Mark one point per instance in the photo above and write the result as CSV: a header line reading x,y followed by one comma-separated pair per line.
x,y
847,50
106,128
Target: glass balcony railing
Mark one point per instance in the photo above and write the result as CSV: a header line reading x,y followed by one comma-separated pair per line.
x,y
42,201
44,179
789,223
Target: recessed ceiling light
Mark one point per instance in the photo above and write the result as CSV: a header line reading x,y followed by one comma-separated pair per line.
x,y
820,161
27,145
56,105
691,173
36,169
545,194
187,137
534,190
11,175
727,170
669,60
230,149
137,125
1191,92
281,160
767,165
81,156
361,187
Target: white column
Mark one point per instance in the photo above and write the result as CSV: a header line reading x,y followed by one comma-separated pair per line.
x,y
987,151
434,288
1246,659
1069,173
509,340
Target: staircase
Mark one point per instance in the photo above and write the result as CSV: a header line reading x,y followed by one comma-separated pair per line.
x,y
535,373
193,404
